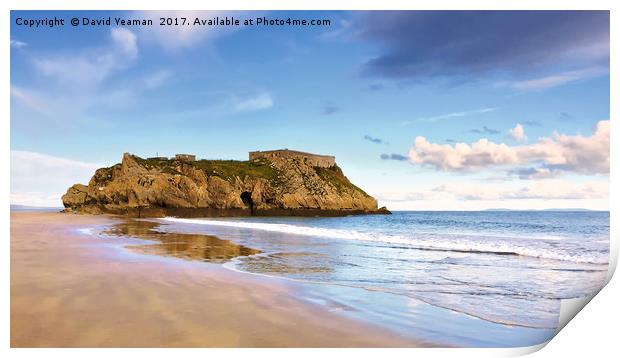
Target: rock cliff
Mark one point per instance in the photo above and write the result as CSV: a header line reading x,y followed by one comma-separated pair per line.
x,y
275,186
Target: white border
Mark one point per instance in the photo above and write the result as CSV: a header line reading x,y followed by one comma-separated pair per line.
x,y
595,331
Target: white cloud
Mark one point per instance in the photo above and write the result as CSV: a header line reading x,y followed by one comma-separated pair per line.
x,y
559,79
92,67
518,133
586,155
174,38
462,156
126,41
40,179
256,103
18,44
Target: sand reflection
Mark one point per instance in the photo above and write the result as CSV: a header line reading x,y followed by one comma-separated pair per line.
x,y
185,246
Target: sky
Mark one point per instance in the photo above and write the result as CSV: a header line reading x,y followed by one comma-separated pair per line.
x,y
424,110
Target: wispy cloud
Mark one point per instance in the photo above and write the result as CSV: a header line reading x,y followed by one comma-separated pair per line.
x,y
342,29
156,79
393,156
227,102
257,102
452,115
484,130
535,173
330,109
18,44
40,110
543,190
90,68
549,189
565,116
546,82
30,100
393,196
375,140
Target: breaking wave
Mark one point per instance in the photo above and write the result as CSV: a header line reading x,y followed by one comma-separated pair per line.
x,y
473,244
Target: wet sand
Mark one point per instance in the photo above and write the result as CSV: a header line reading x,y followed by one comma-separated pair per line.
x,y
195,247
71,289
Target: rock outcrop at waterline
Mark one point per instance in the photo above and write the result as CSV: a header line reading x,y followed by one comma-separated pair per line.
x,y
265,186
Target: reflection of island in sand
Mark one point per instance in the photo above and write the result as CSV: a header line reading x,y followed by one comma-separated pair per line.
x,y
185,246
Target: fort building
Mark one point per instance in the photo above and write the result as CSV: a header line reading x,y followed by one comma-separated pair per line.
x,y
185,157
316,160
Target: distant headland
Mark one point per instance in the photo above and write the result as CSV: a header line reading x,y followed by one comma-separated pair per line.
x,y
279,182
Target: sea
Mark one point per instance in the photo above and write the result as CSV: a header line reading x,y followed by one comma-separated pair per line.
x,y
450,278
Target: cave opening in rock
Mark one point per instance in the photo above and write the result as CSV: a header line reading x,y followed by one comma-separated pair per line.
x,y
246,198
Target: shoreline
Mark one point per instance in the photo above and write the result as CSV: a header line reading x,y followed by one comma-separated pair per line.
x,y
161,212
69,289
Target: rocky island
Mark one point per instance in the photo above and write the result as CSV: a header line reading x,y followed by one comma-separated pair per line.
x,y
270,183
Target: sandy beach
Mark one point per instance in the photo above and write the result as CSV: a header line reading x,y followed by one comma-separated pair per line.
x,y
71,289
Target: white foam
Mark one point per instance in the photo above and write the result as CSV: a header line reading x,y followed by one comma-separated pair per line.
x,y
420,241
86,231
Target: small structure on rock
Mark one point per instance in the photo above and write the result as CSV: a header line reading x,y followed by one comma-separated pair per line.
x,y
185,157
315,160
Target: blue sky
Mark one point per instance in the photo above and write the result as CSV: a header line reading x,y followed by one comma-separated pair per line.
x,y
424,110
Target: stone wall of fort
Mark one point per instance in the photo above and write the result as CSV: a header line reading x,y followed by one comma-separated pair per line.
x,y
324,161
185,157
